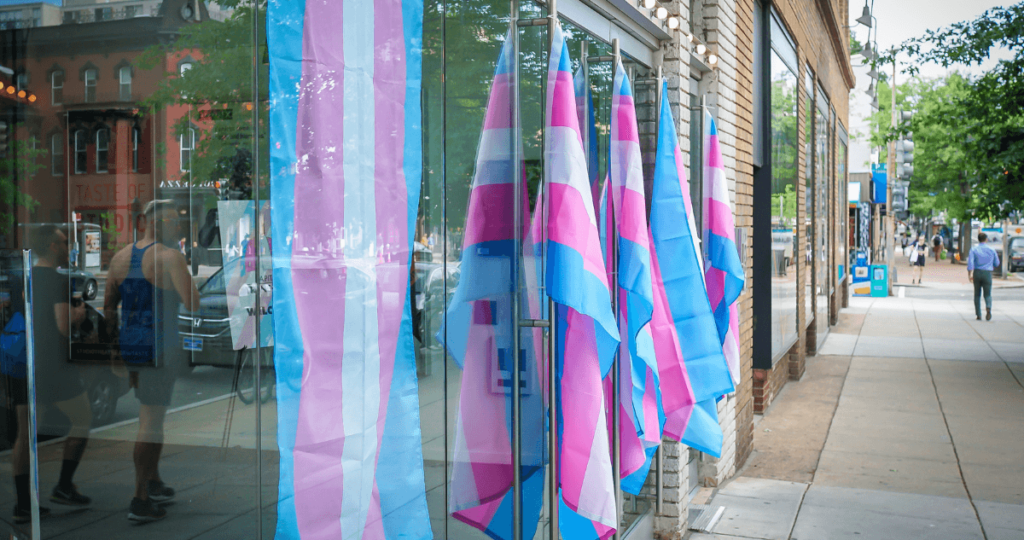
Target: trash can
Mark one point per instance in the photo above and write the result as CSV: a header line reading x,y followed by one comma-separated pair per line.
x,y
879,280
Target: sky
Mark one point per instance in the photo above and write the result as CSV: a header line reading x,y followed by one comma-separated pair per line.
x,y
899,20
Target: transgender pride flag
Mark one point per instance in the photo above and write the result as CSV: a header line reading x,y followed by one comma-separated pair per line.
x,y
588,124
586,336
678,254
722,268
676,393
479,331
345,163
638,373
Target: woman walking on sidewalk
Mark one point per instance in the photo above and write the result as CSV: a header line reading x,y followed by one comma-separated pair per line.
x,y
921,250
980,263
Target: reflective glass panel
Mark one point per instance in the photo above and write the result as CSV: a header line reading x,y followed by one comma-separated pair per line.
x,y
784,203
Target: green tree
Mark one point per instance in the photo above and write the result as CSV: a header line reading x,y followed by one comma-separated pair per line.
x,y
218,93
985,115
19,166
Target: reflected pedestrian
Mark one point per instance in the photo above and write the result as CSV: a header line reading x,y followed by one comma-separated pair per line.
x,y
150,280
58,383
980,263
922,253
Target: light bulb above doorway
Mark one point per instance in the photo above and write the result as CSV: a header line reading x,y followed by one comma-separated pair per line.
x,y
649,4
662,13
673,22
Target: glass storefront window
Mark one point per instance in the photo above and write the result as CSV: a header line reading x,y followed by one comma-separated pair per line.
x,y
841,197
784,152
807,258
822,174
150,202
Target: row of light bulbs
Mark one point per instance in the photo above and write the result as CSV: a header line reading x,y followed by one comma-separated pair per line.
x,y
673,23
21,93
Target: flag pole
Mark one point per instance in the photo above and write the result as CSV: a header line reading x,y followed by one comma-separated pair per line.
x,y
659,455
616,435
517,431
553,334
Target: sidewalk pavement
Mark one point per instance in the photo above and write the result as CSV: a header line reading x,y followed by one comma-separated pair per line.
x,y
943,273
908,425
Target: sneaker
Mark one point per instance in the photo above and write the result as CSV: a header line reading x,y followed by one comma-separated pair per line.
x,y
69,496
160,492
979,317
988,314
145,511
24,515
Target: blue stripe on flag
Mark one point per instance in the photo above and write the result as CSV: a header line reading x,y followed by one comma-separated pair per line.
x,y
587,295
284,32
400,466
703,431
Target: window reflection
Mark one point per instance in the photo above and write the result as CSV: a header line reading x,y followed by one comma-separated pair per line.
x,y
784,148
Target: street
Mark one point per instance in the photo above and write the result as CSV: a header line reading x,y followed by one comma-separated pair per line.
x,y
908,424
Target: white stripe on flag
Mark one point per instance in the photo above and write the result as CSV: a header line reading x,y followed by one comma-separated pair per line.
x,y
495,145
568,164
597,498
360,375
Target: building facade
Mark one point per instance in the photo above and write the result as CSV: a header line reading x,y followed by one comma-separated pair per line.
x,y
171,101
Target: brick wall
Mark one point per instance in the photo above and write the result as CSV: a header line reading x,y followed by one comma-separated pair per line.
x,y
767,383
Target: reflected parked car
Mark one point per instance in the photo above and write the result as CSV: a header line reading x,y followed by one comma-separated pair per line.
x,y
206,334
82,280
1016,261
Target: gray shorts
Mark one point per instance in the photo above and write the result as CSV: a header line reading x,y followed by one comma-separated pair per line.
x,y
156,385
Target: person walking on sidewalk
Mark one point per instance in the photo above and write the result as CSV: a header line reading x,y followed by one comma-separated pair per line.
x,y
58,381
980,263
937,245
921,249
150,279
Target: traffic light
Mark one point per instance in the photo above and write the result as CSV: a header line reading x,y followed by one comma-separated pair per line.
x,y
904,159
905,151
3,139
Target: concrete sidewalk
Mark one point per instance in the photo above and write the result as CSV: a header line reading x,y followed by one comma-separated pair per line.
x,y
908,425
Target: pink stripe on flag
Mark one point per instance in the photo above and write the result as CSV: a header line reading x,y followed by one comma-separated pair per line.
x,y
714,153
721,222
626,121
490,215
499,114
582,395
715,280
570,225
319,192
633,227
564,116
392,210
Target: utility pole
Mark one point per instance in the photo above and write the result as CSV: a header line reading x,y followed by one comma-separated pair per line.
x,y
890,222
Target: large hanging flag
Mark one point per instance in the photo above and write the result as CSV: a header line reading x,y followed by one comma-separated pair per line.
x,y
345,141
676,394
479,333
587,335
639,369
683,279
588,125
723,270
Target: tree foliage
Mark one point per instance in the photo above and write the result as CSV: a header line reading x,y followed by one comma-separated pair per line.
x,y
218,94
19,165
983,117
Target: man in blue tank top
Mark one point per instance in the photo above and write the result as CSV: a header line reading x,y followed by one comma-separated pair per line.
x,y
149,280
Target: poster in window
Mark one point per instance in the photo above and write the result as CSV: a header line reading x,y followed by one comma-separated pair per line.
x,y
92,249
242,275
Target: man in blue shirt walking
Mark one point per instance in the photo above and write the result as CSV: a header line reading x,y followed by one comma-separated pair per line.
x,y
980,263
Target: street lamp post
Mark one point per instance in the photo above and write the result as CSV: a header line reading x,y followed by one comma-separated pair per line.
x,y
890,222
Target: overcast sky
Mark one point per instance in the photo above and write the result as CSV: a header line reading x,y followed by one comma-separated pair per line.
x,y
899,20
